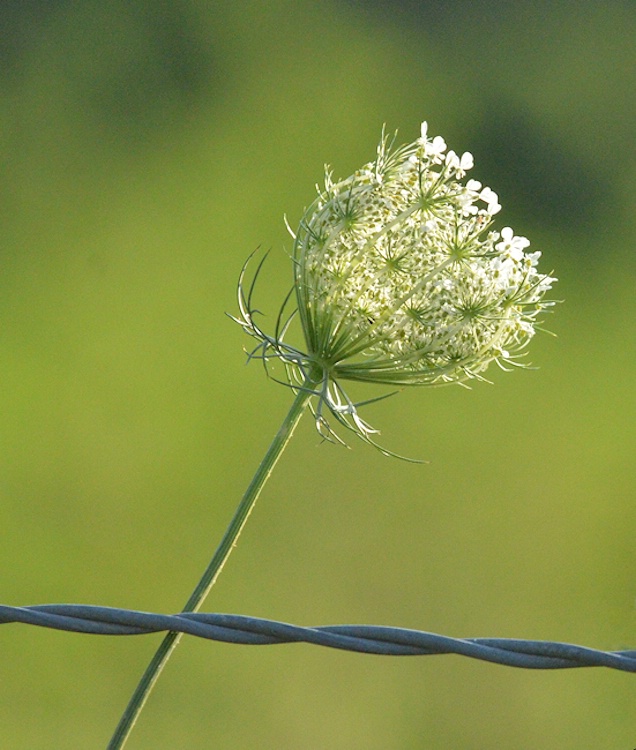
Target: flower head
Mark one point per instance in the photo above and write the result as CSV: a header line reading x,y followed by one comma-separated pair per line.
x,y
400,279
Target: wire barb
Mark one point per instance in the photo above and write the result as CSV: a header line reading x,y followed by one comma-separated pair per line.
x,y
369,639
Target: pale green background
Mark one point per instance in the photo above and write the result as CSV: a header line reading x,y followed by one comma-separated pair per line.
x,y
147,148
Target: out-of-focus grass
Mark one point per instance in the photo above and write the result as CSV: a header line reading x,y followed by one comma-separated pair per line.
x,y
147,153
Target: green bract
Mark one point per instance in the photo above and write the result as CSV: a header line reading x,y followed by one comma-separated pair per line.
x,y
400,280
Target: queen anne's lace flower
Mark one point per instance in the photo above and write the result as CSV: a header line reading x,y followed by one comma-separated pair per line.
x,y
401,280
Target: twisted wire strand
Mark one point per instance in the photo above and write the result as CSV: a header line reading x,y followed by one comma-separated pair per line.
x,y
369,639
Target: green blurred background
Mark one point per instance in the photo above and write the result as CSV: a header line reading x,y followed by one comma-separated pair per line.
x,y
147,148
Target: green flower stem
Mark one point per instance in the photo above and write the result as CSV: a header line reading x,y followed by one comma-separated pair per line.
x,y
208,579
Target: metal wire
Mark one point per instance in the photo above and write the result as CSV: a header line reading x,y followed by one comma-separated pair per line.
x,y
369,639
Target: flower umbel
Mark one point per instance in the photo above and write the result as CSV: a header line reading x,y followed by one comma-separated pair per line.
x,y
399,279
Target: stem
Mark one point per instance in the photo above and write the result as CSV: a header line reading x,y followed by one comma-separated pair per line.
x,y
169,643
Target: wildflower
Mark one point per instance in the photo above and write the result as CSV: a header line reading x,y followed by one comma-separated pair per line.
x,y
400,279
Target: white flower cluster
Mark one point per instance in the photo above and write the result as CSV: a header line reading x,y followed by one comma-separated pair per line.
x,y
400,278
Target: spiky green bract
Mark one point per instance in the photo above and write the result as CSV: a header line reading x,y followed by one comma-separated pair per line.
x,y
401,280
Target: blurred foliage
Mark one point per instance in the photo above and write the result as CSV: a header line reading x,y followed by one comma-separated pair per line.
x,y
147,148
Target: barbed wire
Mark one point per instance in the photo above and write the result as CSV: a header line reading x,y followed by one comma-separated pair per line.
x,y
369,639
